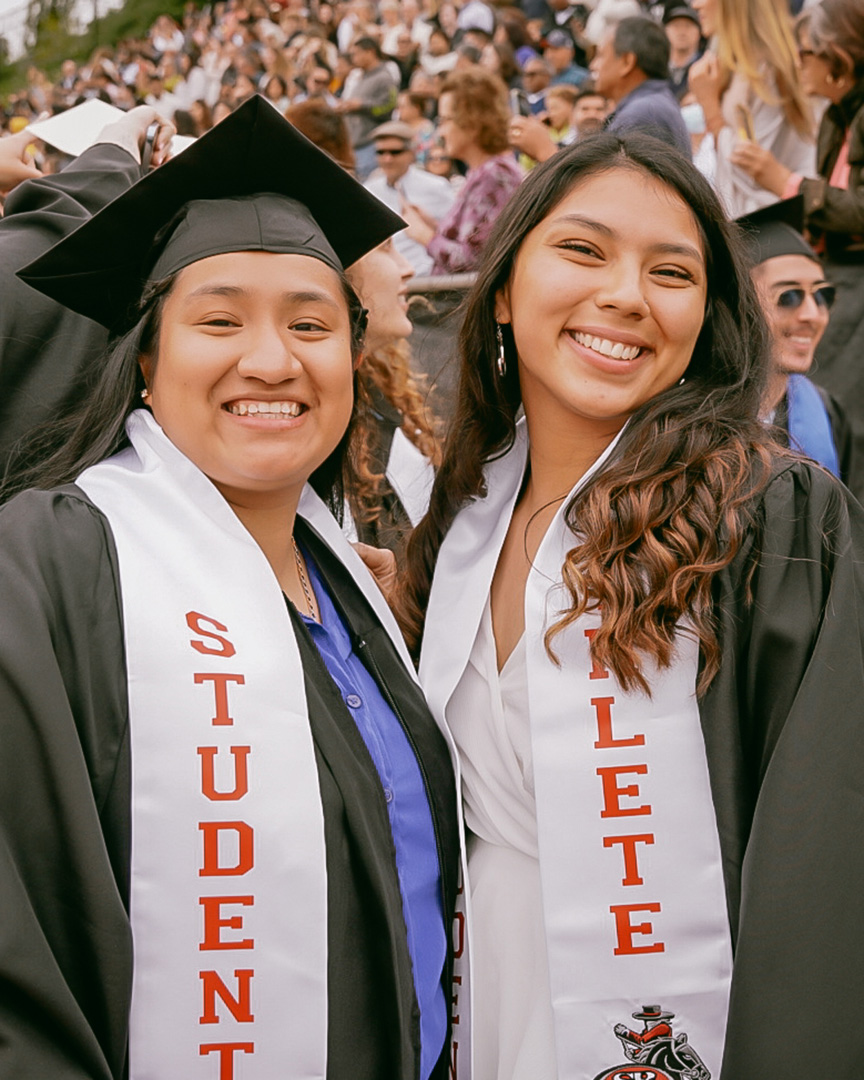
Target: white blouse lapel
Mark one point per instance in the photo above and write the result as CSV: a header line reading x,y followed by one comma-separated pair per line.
x,y
463,576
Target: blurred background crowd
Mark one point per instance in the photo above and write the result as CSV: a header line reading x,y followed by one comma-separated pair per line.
x,y
370,61
441,107
474,94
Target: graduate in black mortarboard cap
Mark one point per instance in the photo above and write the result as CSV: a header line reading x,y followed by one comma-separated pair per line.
x,y
796,299
227,822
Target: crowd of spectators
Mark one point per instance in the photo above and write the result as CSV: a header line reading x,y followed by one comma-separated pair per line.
x,y
364,59
519,82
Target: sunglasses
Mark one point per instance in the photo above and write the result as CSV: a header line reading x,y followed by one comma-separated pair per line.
x,y
792,299
391,153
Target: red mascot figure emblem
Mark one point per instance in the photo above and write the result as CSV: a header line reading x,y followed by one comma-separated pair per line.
x,y
655,1052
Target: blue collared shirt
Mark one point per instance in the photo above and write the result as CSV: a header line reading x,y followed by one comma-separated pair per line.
x,y
653,109
408,808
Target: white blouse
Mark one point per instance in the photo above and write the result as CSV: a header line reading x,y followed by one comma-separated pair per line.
x,y
512,1024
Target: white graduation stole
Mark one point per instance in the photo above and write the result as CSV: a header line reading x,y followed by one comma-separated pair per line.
x,y
633,895
411,476
229,886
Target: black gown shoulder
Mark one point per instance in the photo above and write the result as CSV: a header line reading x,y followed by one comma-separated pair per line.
x,y
66,953
844,441
783,724
841,433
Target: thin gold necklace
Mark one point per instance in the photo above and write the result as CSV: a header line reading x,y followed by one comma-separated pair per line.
x,y
307,592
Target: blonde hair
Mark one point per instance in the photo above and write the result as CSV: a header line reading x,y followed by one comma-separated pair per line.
x,y
753,34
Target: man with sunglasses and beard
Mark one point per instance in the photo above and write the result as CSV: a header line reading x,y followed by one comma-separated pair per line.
x,y
796,301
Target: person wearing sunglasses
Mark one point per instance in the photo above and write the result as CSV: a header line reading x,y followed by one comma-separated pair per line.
x,y
399,181
830,40
796,300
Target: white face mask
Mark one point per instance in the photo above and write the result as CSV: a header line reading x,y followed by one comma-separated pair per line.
x,y
694,118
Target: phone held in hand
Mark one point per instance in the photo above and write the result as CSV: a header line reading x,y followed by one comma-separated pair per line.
x,y
149,143
519,103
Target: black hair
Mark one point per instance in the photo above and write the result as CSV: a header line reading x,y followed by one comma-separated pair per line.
x,y
59,451
690,430
730,355
470,52
185,123
647,41
267,78
370,45
586,92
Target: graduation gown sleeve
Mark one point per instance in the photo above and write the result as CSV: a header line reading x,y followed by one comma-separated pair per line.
x,y
65,942
45,349
783,731
841,429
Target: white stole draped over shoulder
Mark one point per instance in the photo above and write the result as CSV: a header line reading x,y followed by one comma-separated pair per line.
x,y
411,475
228,873
634,905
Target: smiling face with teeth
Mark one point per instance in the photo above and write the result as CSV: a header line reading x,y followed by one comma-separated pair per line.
x,y
253,378
606,300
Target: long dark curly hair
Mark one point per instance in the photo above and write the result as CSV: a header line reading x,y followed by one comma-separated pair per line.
x,y
669,508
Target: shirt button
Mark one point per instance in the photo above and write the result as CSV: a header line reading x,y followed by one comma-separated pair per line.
x,y
388,794
354,701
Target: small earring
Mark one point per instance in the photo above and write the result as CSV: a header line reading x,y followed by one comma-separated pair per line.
x,y
502,358
145,393
682,380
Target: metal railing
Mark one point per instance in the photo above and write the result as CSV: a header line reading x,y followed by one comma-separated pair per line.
x,y
429,286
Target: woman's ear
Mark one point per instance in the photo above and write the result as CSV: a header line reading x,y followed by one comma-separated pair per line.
x,y
502,304
146,366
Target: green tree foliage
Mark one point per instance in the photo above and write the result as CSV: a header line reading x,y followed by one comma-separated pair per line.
x,y
50,41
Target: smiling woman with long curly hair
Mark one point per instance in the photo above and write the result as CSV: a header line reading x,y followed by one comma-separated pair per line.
x,y
637,618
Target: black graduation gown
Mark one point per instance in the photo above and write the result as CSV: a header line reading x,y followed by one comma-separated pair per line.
x,y
841,431
784,740
46,350
65,939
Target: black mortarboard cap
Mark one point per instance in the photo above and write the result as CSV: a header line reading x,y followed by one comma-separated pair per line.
x,y
776,230
252,183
